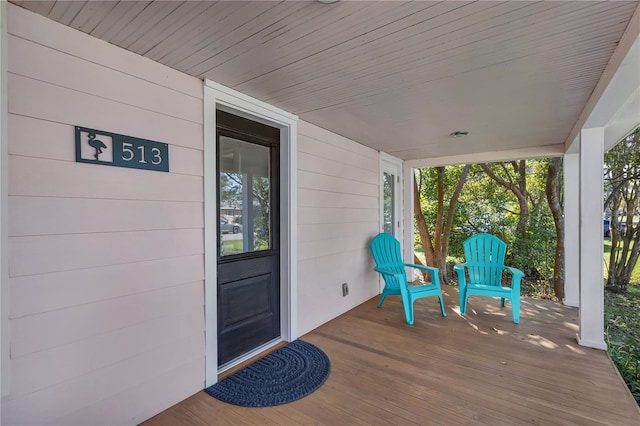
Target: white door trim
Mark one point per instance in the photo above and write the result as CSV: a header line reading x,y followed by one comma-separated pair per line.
x,y
220,97
4,191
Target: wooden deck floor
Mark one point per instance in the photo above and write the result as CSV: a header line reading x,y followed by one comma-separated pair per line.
x,y
481,369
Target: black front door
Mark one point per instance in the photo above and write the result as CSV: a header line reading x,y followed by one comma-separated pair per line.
x,y
248,235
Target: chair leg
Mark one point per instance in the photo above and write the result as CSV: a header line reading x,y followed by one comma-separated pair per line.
x,y
408,311
502,302
441,300
382,297
515,306
463,300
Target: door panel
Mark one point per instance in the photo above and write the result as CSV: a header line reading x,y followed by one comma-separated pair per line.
x,y
248,306
249,256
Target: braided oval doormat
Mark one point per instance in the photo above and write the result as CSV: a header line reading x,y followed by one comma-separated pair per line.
x,y
290,373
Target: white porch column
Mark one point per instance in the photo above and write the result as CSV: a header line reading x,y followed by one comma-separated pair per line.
x,y
572,230
591,332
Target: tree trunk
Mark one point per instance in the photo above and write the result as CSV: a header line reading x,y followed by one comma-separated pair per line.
x,y
622,178
519,189
436,247
444,250
423,232
552,189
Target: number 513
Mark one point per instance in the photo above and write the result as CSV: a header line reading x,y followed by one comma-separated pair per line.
x,y
139,153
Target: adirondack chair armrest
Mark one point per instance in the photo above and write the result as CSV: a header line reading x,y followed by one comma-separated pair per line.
x,y
435,272
514,271
459,267
462,278
517,277
431,269
387,272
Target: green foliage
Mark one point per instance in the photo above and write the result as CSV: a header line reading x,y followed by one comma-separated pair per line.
x,y
429,203
534,253
635,275
622,197
623,335
486,206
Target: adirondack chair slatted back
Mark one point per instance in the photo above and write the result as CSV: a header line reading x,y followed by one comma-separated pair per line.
x,y
385,250
484,255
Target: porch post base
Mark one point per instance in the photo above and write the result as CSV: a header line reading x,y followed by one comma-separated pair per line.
x,y
571,302
595,344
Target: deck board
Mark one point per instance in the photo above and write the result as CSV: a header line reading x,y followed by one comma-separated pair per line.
x,y
480,369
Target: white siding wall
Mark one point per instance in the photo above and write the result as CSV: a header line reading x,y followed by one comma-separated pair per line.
x,y
338,214
106,263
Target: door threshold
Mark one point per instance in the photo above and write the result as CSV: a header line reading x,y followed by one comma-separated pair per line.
x,y
248,358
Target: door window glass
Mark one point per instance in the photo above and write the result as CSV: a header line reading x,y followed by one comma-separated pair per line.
x,y
388,203
245,191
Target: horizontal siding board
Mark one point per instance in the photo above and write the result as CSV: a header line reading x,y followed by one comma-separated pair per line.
x,y
44,254
186,161
139,403
316,232
319,182
35,294
81,109
315,215
312,131
330,167
323,150
35,61
321,280
316,198
106,263
58,328
48,368
330,247
43,406
27,25
49,216
338,214
32,137
51,178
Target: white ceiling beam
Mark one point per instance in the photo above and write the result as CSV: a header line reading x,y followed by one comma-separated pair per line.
x,y
490,157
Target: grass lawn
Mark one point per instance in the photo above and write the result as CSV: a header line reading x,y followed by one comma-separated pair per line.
x,y
635,275
622,330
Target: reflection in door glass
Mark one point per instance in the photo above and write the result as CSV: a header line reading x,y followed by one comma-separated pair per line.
x,y
388,194
245,197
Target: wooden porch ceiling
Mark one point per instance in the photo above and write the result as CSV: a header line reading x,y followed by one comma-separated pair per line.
x,y
481,369
395,76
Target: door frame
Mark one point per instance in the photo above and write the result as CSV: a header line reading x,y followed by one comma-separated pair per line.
x,y
217,96
393,165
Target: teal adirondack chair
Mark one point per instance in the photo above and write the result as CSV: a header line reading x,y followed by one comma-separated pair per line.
x,y
386,253
484,255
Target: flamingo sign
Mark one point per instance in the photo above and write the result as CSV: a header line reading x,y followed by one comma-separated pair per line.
x,y
113,149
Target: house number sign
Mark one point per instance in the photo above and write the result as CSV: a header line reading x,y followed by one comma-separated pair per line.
x,y
111,149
